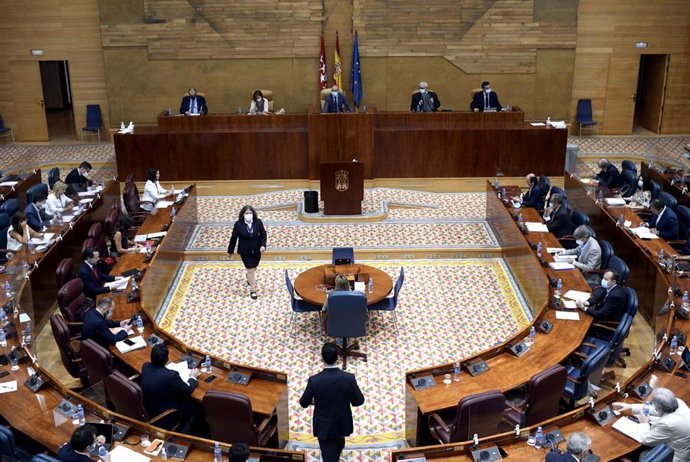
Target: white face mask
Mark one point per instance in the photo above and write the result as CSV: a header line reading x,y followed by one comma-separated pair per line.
x,y
579,242
487,90
422,90
85,174
248,217
258,98
640,183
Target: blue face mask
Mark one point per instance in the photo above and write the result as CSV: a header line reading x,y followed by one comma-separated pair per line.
x,y
605,283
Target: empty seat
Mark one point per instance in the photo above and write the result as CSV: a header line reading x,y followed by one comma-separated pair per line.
x,y
480,414
241,428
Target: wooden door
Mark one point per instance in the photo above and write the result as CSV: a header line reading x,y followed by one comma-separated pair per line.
x,y
651,109
29,114
619,107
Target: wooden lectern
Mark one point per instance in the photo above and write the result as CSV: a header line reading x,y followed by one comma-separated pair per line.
x,y
342,187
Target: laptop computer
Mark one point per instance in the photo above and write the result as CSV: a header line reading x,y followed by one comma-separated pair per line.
x,y
106,430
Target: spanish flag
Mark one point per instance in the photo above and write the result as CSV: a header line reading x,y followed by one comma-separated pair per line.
x,y
337,74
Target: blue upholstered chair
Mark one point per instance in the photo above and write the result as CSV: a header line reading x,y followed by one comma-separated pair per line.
x,y
668,200
654,189
4,225
619,266
584,114
53,176
93,121
43,458
660,453
5,131
390,303
40,188
629,165
298,305
629,183
578,217
577,384
347,318
10,206
343,253
606,253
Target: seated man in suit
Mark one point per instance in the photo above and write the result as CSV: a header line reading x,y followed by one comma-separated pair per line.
x,y
91,276
77,179
336,102
424,100
534,196
193,103
164,388
608,175
485,99
608,302
588,253
77,450
97,325
33,213
576,450
557,217
664,222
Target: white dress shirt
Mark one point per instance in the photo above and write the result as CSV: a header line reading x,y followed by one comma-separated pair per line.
x,y
672,429
153,192
53,203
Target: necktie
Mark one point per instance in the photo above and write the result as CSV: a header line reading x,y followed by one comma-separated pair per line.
x,y
335,100
486,101
193,106
95,272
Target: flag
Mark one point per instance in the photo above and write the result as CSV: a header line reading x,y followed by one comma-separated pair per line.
x,y
337,74
356,79
323,80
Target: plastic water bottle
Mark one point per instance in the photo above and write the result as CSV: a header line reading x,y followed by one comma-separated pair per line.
x,y
371,285
646,410
539,438
140,325
8,290
539,249
164,453
102,451
496,183
504,195
80,414
456,371
521,221
173,212
217,453
3,317
674,343
559,287
207,364
135,286
548,121
3,337
686,299
600,196
532,335
661,256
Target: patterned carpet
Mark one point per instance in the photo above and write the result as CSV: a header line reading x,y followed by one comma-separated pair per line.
x,y
441,308
659,147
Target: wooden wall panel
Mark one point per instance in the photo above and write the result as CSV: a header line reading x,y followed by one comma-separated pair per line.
x,y
65,30
610,29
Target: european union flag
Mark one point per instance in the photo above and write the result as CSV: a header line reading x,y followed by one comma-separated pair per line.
x,y
356,78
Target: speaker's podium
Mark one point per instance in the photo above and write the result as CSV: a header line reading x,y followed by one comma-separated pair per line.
x,y
342,187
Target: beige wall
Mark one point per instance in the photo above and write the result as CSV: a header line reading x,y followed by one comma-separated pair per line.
x,y
65,30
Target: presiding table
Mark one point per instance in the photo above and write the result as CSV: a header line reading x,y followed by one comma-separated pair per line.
x,y
311,284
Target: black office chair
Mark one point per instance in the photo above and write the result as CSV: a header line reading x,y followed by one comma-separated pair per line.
x,y
347,318
53,177
619,266
606,253
629,183
391,303
343,255
40,188
630,166
654,189
299,306
580,376
668,200
578,217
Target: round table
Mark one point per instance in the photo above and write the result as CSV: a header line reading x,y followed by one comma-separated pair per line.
x,y
308,282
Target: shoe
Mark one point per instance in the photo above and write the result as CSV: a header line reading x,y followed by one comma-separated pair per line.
x,y
248,283
253,295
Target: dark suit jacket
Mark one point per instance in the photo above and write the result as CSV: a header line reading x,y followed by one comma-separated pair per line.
x,y
33,217
249,243
67,454
611,307
478,101
164,389
560,224
558,457
609,177
200,104
534,198
331,106
667,226
416,104
332,391
93,285
76,182
97,328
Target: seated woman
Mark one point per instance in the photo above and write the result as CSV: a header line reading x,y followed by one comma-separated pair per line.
x,y
19,232
259,104
57,199
153,191
341,283
120,242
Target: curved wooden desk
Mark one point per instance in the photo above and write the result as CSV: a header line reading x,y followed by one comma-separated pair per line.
x,y
307,283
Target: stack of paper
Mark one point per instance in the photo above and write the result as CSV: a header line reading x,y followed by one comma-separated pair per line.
x,y
67,218
565,258
558,266
576,295
570,304
156,235
163,204
536,227
631,428
615,201
124,454
568,315
7,387
644,233
138,343
87,193
87,200
8,184
553,250
42,240
181,368
119,284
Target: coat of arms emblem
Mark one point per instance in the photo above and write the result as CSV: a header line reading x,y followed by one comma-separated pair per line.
x,y
342,180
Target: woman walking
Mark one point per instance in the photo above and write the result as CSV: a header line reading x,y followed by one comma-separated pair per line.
x,y
250,232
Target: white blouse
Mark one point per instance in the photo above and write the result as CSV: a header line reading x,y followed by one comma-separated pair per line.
x,y
153,191
12,243
253,109
53,203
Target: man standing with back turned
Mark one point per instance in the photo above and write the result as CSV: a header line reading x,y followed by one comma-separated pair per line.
x,y
332,391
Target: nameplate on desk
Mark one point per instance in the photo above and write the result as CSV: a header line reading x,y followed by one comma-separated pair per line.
x,y
420,383
476,368
241,378
519,348
489,454
603,415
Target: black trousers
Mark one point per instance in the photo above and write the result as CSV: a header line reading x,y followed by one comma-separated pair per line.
x,y
331,448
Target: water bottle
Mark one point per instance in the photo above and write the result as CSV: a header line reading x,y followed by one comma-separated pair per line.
x,y
173,213
135,286
371,285
3,337
207,364
621,220
8,290
164,453
532,335
496,183
548,121
80,414
539,249
559,287
600,196
661,256
456,372
102,451
3,317
646,410
140,325
504,195
539,438
217,454
520,220
686,300
674,344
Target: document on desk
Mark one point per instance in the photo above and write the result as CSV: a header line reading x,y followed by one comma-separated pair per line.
x,y
8,387
644,233
8,184
87,193
164,204
577,295
560,265
553,250
536,227
67,218
537,124
120,284
615,201
568,315
570,304
181,368
42,240
124,454
87,200
155,235
565,258
117,330
631,428
138,342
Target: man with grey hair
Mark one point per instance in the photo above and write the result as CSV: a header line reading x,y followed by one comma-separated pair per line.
x,y
608,175
588,253
576,450
424,100
557,217
670,424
